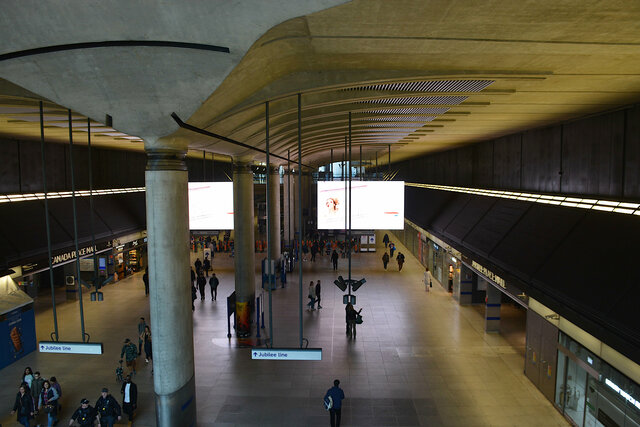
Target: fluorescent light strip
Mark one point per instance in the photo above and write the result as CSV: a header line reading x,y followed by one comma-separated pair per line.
x,y
572,202
13,198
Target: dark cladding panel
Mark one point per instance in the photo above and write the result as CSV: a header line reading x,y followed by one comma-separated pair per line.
x,y
534,237
9,167
495,224
31,167
541,159
422,205
483,165
449,211
632,154
595,266
116,210
468,217
506,162
465,167
592,155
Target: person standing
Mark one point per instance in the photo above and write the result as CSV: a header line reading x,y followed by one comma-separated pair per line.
x,y
318,291
130,353
336,394
385,240
145,280
400,259
351,315
334,259
141,325
214,282
202,283
312,296
108,408
427,279
23,406
85,415
129,397
206,265
48,401
385,260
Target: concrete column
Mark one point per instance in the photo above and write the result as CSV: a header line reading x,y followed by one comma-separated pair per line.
x,y
274,214
244,241
492,309
170,292
466,285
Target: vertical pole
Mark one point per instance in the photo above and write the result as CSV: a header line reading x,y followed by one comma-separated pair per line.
x,y
361,168
389,163
269,225
213,166
258,318
289,242
204,166
75,223
93,235
349,244
376,163
300,209
346,195
46,217
331,165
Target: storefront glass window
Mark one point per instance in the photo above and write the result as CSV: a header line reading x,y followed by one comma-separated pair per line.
x,y
561,395
575,388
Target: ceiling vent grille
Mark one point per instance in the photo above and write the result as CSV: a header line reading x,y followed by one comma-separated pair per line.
x,y
417,119
431,86
407,111
419,100
392,125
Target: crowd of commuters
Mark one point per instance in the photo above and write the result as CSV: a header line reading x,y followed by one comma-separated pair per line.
x,y
37,396
200,278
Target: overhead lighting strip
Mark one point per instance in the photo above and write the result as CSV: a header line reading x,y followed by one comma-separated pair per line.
x,y
567,201
25,197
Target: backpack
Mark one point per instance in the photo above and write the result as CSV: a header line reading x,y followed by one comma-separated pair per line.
x,y
328,402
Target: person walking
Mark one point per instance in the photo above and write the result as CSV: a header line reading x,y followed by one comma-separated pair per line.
x,y
145,280
385,240
56,385
85,415
130,353
400,259
108,408
141,326
27,376
312,296
193,276
198,266
48,402
318,291
194,296
385,260
427,279
129,397
334,259
36,385
202,283
23,406
214,282
351,316
392,249
206,265
148,353
335,395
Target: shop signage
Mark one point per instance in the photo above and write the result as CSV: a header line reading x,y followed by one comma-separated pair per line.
x,y
622,393
69,347
63,257
489,274
286,354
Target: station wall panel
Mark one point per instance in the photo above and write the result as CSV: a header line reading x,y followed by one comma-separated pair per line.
x,y
541,159
632,154
9,167
482,172
507,162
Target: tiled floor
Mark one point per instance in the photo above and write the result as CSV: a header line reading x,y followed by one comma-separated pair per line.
x,y
419,358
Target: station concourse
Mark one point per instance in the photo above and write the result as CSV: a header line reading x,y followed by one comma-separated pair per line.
x,y
418,359
511,127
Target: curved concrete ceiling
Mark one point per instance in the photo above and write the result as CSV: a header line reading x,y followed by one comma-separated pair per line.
x,y
416,75
171,55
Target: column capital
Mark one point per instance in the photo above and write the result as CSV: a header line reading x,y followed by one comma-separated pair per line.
x,y
166,159
242,167
274,169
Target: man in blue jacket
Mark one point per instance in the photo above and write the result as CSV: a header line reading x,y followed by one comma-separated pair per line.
x,y
336,394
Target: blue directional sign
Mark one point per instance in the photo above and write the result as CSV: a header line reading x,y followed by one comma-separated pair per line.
x,y
286,354
69,347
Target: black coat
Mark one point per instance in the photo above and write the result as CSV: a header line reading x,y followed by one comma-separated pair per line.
x,y
23,405
108,406
133,394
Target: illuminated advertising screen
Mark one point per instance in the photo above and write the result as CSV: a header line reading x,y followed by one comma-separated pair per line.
x,y
376,205
211,206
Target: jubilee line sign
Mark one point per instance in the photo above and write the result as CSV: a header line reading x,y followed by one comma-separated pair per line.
x,y
69,347
286,354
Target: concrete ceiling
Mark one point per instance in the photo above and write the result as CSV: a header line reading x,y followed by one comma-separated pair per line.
x,y
418,75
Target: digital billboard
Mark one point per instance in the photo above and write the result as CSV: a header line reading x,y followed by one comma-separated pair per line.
x,y
376,205
211,206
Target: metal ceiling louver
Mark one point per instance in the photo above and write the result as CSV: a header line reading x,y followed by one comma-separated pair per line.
x,y
417,110
430,86
418,100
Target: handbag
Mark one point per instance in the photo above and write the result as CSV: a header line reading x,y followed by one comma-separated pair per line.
x,y
358,319
48,409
